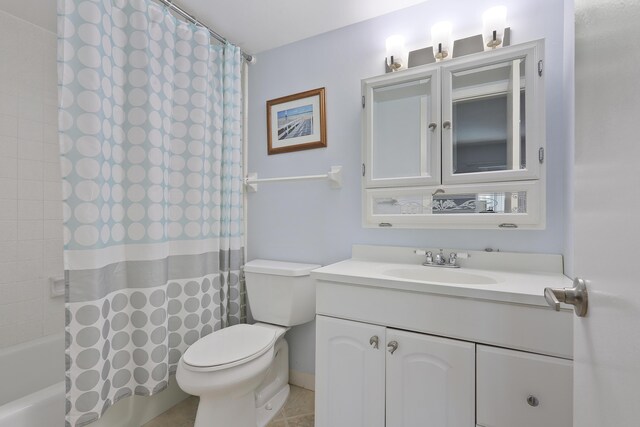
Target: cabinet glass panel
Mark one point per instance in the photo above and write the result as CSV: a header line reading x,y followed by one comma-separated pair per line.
x,y
422,203
488,118
401,141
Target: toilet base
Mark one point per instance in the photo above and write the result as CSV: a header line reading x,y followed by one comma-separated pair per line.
x,y
217,412
269,410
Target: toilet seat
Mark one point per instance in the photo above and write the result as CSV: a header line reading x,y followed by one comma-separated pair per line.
x,y
229,347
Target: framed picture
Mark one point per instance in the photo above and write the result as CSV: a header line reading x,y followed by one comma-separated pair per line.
x,y
296,122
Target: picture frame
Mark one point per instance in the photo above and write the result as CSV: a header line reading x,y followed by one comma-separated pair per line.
x,y
297,122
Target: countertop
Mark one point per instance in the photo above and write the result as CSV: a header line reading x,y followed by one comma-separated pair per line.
x,y
510,287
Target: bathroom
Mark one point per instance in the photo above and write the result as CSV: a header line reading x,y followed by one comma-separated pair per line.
x,y
587,126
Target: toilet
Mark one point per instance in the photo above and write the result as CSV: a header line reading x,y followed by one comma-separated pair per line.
x,y
241,373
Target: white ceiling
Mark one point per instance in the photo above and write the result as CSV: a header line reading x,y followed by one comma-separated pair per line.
x,y
254,25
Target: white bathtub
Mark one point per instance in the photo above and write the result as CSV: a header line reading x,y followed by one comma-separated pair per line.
x,y
32,383
32,392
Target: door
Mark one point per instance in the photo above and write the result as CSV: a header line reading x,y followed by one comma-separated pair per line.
x,y
493,116
607,212
349,373
430,381
401,129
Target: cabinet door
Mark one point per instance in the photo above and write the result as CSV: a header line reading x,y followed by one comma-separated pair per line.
x,y
493,117
523,389
402,129
430,381
349,373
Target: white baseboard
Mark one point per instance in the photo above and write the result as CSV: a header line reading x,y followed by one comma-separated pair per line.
x,y
302,379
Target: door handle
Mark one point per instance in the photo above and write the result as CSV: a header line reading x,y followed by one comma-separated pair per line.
x,y
433,126
446,125
374,341
392,346
577,296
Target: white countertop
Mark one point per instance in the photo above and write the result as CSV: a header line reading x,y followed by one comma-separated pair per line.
x,y
510,287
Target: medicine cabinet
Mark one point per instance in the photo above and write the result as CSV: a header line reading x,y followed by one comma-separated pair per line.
x,y
457,144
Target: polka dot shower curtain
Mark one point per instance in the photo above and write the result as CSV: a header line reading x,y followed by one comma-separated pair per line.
x,y
150,139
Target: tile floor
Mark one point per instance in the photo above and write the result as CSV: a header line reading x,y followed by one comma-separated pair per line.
x,y
298,411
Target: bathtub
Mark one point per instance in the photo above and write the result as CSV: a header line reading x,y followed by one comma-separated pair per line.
x,y
32,392
32,383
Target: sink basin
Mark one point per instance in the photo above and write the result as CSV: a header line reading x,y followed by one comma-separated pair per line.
x,y
439,275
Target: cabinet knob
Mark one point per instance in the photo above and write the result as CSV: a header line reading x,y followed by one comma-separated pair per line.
x,y
374,340
533,401
392,346
432,126
446,125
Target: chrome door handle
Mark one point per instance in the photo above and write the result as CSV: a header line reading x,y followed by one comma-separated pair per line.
x,y
392,346
433,126
374,340
446,125
576,296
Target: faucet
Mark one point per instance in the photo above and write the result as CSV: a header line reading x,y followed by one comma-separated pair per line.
x,y
440,259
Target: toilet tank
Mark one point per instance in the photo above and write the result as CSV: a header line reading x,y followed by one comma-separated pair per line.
x,y
281,293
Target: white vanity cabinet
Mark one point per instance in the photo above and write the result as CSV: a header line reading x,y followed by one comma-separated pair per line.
x,y
523,389
433,352
430,381
350,391
458,143
371,376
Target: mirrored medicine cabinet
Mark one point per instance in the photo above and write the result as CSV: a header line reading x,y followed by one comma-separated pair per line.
x,y
457,144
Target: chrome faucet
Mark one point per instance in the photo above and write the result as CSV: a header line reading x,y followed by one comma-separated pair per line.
x,y
440,259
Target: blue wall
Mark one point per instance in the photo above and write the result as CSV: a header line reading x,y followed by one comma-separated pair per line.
x,y
308,221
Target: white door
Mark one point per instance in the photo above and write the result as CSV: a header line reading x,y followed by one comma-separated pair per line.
x,y
607,212
349,373
430,381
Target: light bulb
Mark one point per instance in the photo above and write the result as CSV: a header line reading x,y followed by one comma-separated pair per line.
x,y
396,53
494,21
442,40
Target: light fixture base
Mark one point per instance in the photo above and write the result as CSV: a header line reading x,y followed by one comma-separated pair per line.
x,y
494,43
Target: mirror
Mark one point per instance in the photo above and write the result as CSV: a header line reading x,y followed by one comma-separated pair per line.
x,y
488,203
488,118
401,134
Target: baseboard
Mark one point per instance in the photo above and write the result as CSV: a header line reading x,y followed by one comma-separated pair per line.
x,y
302,379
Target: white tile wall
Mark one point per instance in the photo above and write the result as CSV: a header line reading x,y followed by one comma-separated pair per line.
x,y
30,183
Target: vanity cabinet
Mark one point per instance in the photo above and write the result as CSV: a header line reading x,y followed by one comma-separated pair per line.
x,y
372,376
350,390
458,143
429,378
523,389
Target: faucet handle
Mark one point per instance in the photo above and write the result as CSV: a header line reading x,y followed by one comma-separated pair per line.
x,y
452,258
428,254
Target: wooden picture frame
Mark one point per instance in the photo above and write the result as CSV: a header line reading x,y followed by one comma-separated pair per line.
x,y
296,122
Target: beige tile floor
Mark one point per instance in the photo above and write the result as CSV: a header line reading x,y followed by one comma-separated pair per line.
x,y
298,411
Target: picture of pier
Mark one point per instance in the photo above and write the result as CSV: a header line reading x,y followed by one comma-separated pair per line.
x,y
295,122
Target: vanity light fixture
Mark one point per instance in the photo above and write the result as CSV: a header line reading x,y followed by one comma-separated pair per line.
x,y
442,40
396,53
494,21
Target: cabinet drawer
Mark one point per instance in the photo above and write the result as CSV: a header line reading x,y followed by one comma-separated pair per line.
x,y
506,379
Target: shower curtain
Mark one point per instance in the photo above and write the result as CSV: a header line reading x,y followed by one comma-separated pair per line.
x,y
151,155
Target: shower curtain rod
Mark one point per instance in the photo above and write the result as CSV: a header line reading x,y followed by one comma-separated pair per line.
x,y
171,5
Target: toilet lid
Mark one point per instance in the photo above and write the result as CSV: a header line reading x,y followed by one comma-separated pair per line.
x,y
229,345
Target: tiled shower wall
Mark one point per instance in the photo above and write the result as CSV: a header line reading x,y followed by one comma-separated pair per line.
x,y
30,183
